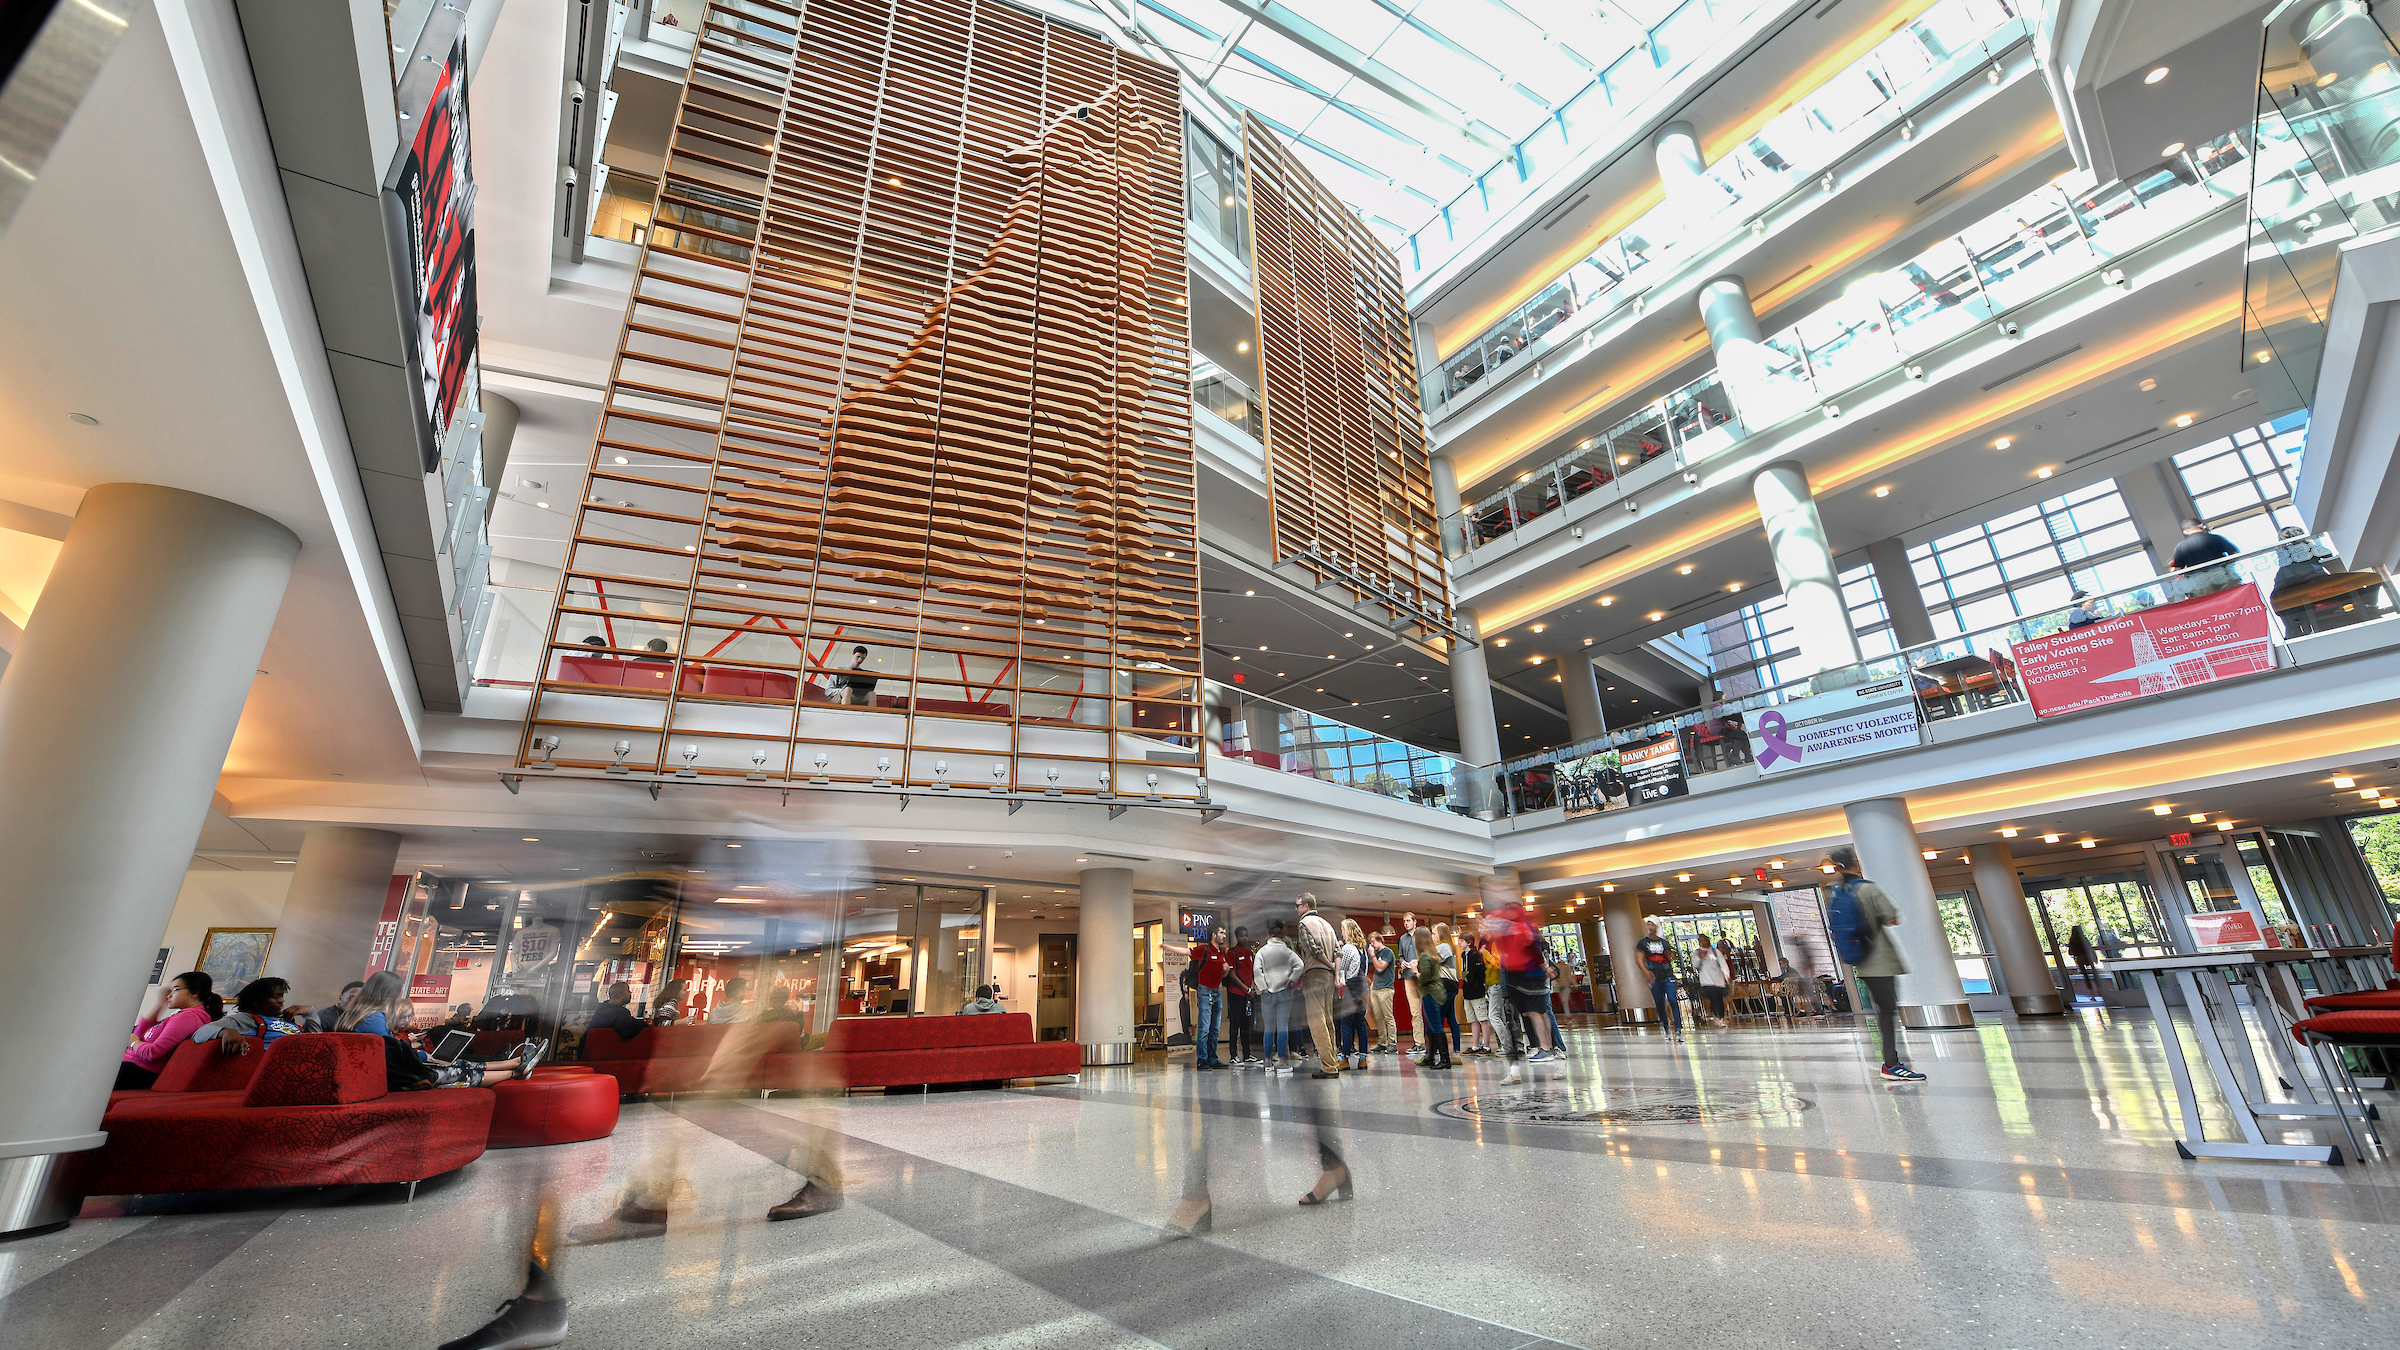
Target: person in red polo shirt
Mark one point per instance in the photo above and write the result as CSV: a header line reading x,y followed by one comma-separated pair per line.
x,y
1241,999
1208,970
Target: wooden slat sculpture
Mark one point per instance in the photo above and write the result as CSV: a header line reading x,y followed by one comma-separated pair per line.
x,y
1349,478
905,367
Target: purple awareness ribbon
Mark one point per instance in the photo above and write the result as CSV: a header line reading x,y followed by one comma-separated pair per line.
x,y
1770,735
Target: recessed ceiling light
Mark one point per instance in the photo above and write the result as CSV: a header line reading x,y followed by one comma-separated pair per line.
x,y
1242,347
2162,810
2345,781
622,460
2369,793
739,900
1249,592
733,846
2198,819
1657,614
2183,419
2049,838
2173,149
2091,843
2008,831
2156,74
1684,570
2004,442
1883,492
1539,627
2041,473
1607,600
532,839
295,862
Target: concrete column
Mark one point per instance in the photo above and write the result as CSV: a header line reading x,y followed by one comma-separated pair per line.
x,y
1770,942
2030,986
328,922
2158,510
1104,966
1812,587
1888,852
1446,503
1743,359
115,718
1903,600
1680,167
1264,724
1621,912
1585,721
1478,727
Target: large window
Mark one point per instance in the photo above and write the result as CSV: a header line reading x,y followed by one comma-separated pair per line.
x,y
2030,561
2378,840
1751,648
2242,484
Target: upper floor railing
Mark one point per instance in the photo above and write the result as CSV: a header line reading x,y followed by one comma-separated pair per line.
x,y
1883,322
1219,391
1898,78
2326,179
2302,581
1312,745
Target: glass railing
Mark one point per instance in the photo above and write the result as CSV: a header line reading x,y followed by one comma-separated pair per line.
x,y
2326,178
1217,391
2306,586
1212,176
1309,745
1905,71
1644,59
1885,321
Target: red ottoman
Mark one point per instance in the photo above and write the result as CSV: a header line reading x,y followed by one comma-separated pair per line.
x,y
560,1108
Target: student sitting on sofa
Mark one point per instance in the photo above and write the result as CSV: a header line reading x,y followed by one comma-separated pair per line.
x,y
187,1003
257,1011
986,1000
617,1013
382,1009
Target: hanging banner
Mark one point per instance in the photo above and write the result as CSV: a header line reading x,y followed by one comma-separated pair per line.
x,y
1653,770
1844,724
387,927
1592,783
2150,651
435,192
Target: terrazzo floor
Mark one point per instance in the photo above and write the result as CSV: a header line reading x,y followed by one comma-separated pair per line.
x,y
1752,1187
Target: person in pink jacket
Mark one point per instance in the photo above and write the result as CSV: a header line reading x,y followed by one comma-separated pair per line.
x,y
188,1003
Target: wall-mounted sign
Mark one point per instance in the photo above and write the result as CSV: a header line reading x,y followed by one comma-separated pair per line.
x,y
2150,651
1844,724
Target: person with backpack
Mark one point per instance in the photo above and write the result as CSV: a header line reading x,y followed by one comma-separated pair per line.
x,y
1657,959
1857,912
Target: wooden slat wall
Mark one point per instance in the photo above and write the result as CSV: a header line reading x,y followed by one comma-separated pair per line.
x,y
1348,478
906,366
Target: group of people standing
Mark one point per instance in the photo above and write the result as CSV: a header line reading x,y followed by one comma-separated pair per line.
x,y
1486,991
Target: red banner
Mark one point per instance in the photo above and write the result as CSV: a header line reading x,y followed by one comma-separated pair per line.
x,y
387,927
2150,651
432,986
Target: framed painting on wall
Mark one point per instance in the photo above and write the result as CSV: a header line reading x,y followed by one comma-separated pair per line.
x,y
233,957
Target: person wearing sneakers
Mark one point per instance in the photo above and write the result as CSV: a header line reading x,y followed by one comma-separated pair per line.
x,y
1657,959
1524,984
1860,915
1276,967
1320,951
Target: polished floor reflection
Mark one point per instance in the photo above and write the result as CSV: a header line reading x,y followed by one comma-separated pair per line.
x,y
1760,1187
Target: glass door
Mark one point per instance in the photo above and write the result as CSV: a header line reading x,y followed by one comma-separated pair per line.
x,y
949,948
1054,1003
1149,974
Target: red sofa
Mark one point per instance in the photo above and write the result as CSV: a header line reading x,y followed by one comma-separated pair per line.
x,y
313,1111
904,1051
858,1052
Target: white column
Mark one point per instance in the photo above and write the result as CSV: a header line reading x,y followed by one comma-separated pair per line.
x,y
2157,509
1903,599
1478,728
2237,874
1446,503
115,718
1888,853
328,923
1744,361
1812,588
1680,167
1104,966
1263,722
1763,914
1621,912
1582,686
2031,987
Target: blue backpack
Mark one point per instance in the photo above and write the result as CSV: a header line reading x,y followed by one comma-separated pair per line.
x,y
1846,919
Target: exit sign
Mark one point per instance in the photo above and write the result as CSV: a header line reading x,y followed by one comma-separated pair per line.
x,y
2180,838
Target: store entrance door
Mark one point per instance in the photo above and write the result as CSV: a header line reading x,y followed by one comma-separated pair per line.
x,y
1054,1004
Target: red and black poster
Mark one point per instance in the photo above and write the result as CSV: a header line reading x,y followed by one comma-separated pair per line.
x,y
436,191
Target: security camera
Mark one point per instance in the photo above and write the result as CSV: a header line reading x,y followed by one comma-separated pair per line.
x,y
2008,328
